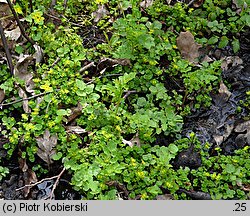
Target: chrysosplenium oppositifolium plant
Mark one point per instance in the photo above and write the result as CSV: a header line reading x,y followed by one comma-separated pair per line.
x,y
104,126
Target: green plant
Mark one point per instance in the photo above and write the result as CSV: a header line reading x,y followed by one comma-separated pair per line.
x,y
103,125
3,172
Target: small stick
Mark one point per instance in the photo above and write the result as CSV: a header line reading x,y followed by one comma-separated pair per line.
x,y
86,67
41,181
55,62
190,3
17,101
56,183
128,93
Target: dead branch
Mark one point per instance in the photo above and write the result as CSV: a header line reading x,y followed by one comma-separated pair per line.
x,y
17,101
56,183
46,179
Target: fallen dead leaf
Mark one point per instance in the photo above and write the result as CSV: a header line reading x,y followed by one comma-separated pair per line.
x,y
231,61
100,13
238,5
23,95
224,92
108,62
244,129
21,71
134,141
219,139
146,3
198,3
13,34
188,47
29,178
165,197
38,55
46,145
75,112
22,164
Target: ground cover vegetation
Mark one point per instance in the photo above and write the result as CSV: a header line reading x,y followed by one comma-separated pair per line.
x,y
98,83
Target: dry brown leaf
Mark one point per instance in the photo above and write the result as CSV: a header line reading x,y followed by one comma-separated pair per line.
x,y
100,13
187,46
21,68
221,138
198,3
75,112
224,92
46,145
21,71
22,164
13,34
146,3
243,128
108,62
231,61
29,178
23,95
237,5
38,55
165,197
134,141
2,95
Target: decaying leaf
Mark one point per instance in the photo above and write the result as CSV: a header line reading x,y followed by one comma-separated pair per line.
x,y
46,145
100,13
188,47
38,55
2,95
21,71
165,197
75,129
198,3
75,112
13,34
219,139
29,178
244,129
146,3
238,5
21,68
224,92
22,164
108,62
231,61
23,95
134,141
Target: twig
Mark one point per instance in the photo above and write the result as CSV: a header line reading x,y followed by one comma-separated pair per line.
x,y
41,181
128,93
86,67
6,48
56,183
19,23
190,3
55,62
17,101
